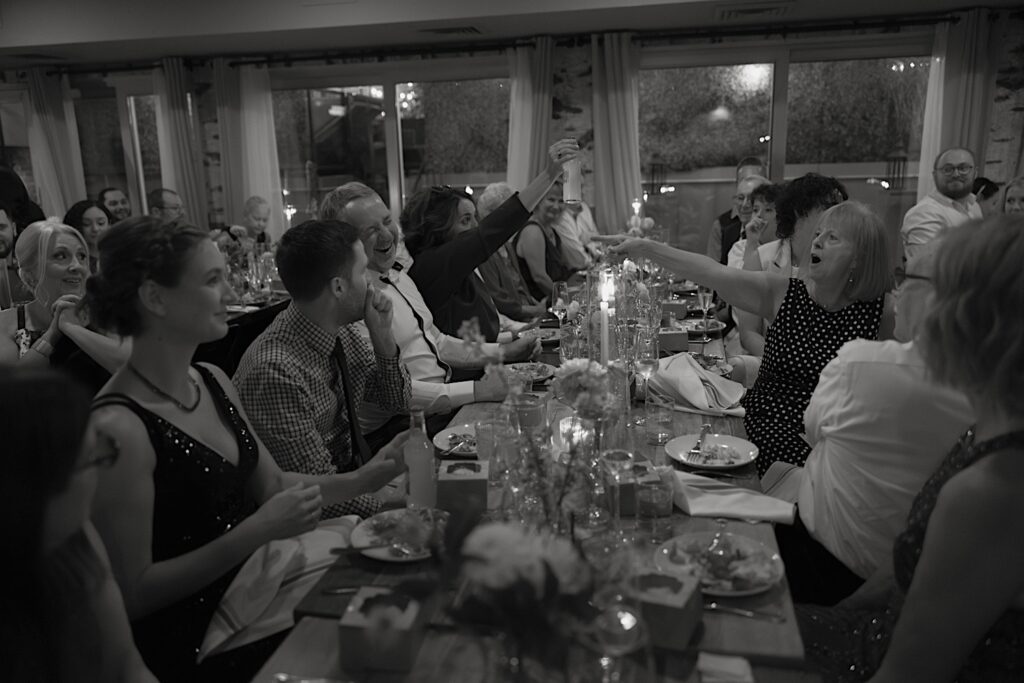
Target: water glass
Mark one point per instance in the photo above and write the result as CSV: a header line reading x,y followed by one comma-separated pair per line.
x,y
529,413
654,510
659,426
489,436
571,342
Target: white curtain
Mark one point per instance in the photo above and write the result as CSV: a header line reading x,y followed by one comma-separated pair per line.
x,y
616,105
529,110
960,84
181,167
53,143
260,171
226,90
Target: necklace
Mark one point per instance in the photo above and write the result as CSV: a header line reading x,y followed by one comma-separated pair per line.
x,y
163,394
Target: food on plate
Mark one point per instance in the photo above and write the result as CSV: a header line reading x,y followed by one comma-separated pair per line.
x,y
714,364
461,443
717,454
531,371
409,531
727,567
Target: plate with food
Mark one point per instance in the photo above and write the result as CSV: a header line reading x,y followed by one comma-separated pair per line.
x,y
728,565
403,535
535,372
715,364
458,440
718,452
547,335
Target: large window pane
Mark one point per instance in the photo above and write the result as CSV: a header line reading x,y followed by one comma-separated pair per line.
x,y
860,121
14,142
326,138
454,133
142,111
99,133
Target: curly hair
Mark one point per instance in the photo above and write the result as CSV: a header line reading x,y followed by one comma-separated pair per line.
x,y
33,251
801,196
429,215
970,337
767,193
133,251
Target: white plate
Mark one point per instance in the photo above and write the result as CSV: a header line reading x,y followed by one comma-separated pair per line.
x,y
753,568
679,448
443,443
534,371
377,530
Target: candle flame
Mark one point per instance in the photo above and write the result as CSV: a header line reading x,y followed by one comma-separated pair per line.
x,y
607,288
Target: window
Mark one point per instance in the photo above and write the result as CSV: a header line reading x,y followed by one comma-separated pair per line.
x,y
142,113
99,133
696,124
14,139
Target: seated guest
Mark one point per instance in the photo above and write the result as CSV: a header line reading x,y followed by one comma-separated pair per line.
x,y
1013,196
986,193
53,329
255,217
427,353
166,205
448,244
500,272
303,379
92,220
950,605
843,297
194,492
539,248
116,203
12,289
878,425
576,229
728,227
63,615
950,204
759,230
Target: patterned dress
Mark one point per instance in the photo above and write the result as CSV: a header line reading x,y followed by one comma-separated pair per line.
x,y
800,342
848,645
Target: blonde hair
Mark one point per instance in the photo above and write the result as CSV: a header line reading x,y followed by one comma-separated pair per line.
x,y
1016,182
970,337
872,274
252,203
33,250
493,196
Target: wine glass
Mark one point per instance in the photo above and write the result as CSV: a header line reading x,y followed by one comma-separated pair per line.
x,y
705,297
560,301
646,365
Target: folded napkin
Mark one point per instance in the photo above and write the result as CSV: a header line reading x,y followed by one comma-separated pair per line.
x,y
723,669
700,496
683,381
261,600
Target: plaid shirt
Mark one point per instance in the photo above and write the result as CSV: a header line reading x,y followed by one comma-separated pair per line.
x,y
291,387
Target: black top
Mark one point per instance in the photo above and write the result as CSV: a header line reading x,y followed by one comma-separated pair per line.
x,y
197,497
505,284
554,263
69,358
732,228
444,273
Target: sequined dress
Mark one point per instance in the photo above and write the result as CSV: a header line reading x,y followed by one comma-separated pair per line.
x,y
848,645
197,497
800,342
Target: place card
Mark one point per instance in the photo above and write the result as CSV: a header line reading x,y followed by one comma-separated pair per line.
x,y
462,487
641,472
381,629
671,605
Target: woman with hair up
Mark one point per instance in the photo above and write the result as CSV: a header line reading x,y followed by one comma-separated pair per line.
x,y
950,606
53,329
447,244
195,491
92,219
841,297
63,617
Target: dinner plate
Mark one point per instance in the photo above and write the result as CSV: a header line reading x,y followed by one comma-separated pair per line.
x,y
745,567
410,527
534,371
443,439
719,452
548,336
693,325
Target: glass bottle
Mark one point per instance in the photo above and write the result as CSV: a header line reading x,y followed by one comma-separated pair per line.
x,y
419,458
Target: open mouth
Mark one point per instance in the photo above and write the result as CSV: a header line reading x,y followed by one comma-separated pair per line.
x,y
815,258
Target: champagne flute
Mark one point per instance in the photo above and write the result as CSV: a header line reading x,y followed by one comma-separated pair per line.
x,y
560,301
705,297
646,365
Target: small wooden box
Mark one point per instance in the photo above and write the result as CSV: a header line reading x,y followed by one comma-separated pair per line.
x,y
381,629
672,606
462,487
643,472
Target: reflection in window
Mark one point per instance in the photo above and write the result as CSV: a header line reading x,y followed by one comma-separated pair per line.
x,y
696,123
454,133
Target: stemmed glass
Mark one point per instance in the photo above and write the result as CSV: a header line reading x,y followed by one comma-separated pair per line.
x,y
646,365
560,301
619,464
705,297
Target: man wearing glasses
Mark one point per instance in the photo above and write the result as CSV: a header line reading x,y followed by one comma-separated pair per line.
x,y
166,205
728,227
950,204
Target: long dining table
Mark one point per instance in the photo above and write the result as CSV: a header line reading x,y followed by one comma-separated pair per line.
x,y
452,654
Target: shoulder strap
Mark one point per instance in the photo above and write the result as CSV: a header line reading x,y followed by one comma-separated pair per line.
x,y
21,317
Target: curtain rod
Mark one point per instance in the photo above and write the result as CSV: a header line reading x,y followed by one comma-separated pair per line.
x,y
893,24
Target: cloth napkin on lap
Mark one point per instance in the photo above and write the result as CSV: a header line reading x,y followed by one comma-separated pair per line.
x,y
683,381
700,496
261,600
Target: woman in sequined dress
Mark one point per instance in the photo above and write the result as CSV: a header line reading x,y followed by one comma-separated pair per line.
x,y
951,604
195,492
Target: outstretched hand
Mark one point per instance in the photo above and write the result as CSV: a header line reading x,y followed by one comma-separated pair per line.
x,y
563,151
631,246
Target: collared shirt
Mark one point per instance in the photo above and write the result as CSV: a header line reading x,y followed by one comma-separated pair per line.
x,y
932,215
291,387
879,428
417,346
576,232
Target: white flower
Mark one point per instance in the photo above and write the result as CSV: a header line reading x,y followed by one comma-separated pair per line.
x,y
499,555
647,223
573,575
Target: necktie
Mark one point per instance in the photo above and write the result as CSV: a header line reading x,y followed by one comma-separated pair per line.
x,y
360,449
419,322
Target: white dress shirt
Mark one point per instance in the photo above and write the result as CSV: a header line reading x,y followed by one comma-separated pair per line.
x,y
879,428
421,351
930,216
576,232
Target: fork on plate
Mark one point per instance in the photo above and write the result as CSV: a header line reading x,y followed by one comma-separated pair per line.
x,y
694,454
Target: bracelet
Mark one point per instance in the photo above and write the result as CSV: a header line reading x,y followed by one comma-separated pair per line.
x,y
43,348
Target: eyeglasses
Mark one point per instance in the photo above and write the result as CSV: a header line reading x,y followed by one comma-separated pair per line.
x,y
949,170
108,452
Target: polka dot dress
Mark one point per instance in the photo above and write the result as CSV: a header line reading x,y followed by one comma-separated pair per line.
x,y
798,345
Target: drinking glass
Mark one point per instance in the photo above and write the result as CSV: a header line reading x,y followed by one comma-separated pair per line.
x,y
647,355
570,343
654,510
659,426
529,413
619,465
705,297
560,300
490,434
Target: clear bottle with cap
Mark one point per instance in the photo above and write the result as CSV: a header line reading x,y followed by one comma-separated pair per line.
x,y
419,458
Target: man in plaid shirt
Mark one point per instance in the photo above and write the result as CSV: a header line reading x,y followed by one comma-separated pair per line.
x,y
302,379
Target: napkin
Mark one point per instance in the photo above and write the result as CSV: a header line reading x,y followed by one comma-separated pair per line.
x,y
262,598
700,496
723,669
682,380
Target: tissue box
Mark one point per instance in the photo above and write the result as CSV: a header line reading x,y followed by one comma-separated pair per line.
x,y
381,629
462,487
642,472
672,606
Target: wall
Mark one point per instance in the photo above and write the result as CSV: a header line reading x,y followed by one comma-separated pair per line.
x,y
1005,150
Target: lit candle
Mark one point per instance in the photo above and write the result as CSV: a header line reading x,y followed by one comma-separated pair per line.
x,y
637,205
607,292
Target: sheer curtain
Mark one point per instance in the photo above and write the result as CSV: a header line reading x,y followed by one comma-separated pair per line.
x,y
616,105
529,110
960,84
53,143
260,171
180,162
226,90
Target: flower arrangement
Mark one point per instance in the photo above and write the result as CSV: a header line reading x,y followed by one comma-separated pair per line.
x,y
585,385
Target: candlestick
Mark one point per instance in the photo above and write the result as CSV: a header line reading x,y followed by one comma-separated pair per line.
x,y
604,333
